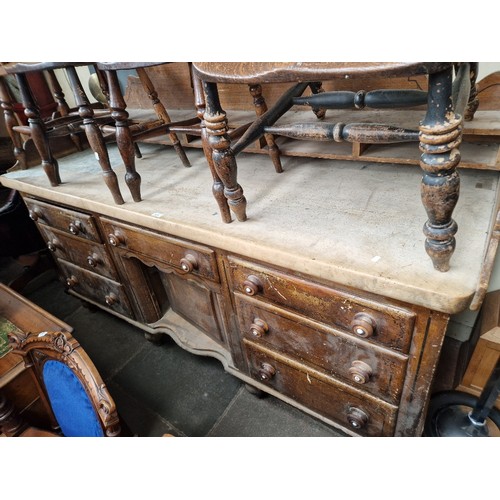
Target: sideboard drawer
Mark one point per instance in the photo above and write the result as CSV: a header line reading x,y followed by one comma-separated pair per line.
x,y
182,255
356,362
354,410
84,253
69,221
105,292
361,315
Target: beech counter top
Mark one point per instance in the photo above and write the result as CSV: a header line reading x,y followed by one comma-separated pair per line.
x,y
353,223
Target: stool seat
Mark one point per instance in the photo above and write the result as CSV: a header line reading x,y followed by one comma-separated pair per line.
x,y
450,98
279,72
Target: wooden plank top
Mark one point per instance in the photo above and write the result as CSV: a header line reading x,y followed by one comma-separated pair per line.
x,y
275,72
348,222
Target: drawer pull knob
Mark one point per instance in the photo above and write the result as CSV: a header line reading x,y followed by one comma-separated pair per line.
x,y
75,227
360,372
116,239
111,299
53,245
357,418
35,214
189,263
266,372
252,285
93,260
259,328
363,325
71,281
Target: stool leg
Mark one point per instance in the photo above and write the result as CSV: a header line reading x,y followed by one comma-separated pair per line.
x,y
62,105
260,108
38,132
440,138
217,186
94,135
473,103
223,158
162,114
124,138
317,88
10,123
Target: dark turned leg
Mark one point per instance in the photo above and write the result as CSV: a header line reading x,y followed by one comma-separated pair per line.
x,y
62,106
124,139
162,114
217,186
38,133
440,137
316,88
10,123
222,155
473,103
11,424
260,108
94,136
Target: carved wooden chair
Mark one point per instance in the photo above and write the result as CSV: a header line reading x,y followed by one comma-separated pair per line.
x,y
67,378
127,132
40,127
450,97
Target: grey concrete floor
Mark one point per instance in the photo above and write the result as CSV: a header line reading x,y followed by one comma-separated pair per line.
x,y
161,389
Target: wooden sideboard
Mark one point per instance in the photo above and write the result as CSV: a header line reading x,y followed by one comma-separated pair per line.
x,y
323,298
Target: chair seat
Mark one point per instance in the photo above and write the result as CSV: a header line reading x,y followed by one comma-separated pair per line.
x,y
276,72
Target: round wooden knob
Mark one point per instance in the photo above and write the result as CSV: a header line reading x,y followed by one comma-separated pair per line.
x,y
52,245
360,372
75,227
363,325
111,299
188,263
71,281
259,328
93,260
252,285
35,214
266,372
116,239
357,418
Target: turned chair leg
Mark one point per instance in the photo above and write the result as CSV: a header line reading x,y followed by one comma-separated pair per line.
x,y
62,106
317,88
124,138
473,103
224,161
217,186
162,114
260,108
440,138
10,123
38,133
94,135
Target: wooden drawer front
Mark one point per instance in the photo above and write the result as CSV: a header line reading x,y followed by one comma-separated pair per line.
x,y
102,290
356,362
376,320
84,253
352,409
69,221
181,255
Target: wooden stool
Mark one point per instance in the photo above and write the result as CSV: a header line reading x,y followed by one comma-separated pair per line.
x,y
66,122
448,100
126,132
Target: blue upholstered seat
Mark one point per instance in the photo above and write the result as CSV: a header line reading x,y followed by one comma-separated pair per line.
x,y
70,403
